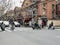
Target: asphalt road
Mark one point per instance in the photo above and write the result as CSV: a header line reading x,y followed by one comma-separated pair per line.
x,y
27,36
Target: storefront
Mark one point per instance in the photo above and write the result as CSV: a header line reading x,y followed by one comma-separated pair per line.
x,y
58,10
26,22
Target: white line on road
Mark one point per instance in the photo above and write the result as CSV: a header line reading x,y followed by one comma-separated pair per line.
x,y
57,36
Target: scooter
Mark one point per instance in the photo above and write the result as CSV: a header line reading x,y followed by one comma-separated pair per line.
x,y
51,27
36,27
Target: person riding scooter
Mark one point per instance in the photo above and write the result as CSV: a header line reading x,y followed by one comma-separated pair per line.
x,y
51,26
36,26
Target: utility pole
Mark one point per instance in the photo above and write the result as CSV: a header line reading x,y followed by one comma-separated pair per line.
x,y
32,19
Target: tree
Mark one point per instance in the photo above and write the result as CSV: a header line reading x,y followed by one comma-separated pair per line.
x,y
5,5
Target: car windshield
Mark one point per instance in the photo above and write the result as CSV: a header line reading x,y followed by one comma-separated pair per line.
x,y
16,22
6,22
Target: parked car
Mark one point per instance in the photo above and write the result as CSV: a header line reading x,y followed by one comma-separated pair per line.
x,y
6,23
16,24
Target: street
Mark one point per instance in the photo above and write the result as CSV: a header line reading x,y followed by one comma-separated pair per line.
x,y
28,36
18,20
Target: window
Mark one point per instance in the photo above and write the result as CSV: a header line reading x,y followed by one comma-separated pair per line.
x,y
52,5
35,6
53,8
44,8
34,12
53,11
58,10
26,3
32,0
44,4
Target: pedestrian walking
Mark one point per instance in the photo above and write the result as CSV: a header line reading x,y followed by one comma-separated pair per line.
x,y
2,26
43,24
12,26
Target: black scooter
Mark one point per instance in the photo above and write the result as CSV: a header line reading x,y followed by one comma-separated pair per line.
x,y
36,26
51,26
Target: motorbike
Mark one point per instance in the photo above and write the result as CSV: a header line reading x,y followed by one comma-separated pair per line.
x,y
36,26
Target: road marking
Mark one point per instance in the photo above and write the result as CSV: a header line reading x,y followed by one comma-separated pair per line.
x,y
8,30
57,36
15,30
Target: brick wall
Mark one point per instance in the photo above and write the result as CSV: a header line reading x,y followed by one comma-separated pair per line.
x,y
48,9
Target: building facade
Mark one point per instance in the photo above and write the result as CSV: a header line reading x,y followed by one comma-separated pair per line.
x,y
24,11
47,9
58,9
44,8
